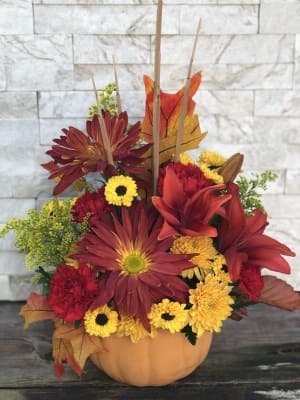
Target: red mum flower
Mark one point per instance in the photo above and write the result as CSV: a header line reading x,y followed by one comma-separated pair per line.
x,y
244,245
77,153
94,204
72,291
188,215
191,177
137,269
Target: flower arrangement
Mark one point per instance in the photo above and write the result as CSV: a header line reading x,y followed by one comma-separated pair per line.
x,y
149,242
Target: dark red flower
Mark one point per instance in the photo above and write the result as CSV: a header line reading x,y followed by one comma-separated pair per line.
x,y
93,204
251,281
188,215
241,240
72,291
77,153
190,175
137,269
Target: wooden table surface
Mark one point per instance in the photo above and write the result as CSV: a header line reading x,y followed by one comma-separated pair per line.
x,y
255,359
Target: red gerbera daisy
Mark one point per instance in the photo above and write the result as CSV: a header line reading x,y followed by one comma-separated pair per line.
x,y
137,268
72,291
244,245
78,153
93,204
188,215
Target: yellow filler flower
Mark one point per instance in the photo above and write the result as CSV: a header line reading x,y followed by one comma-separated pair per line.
x,y
102,321
120,190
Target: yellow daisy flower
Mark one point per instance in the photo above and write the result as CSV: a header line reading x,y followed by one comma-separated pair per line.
x,y
211,305
134,329
186,159
120,190
102,321
168,315
210,164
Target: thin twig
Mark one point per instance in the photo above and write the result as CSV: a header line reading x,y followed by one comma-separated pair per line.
x,y
103,129
156,98
118,97
185,99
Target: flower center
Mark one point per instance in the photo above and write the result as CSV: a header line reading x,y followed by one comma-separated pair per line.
x,y
93,152
134,263
167,317
121,190
101,319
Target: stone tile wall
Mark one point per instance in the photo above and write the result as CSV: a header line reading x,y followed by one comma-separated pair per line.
x,y
249,52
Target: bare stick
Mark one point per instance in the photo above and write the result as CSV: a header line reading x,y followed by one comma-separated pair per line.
x,y
185,99
118,97
103,129
156,98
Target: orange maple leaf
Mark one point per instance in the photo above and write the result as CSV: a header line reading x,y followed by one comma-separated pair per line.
x,y
63,351
83,345
170,108
36,309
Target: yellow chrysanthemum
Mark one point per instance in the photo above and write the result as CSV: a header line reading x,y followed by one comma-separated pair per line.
x,y
211,305
168,315
120,190
133,329
186,159
212,159
102,321
210,163
206,261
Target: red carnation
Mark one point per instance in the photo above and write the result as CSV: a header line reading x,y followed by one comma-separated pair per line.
x,y
190,176
94,204
251,281
72,291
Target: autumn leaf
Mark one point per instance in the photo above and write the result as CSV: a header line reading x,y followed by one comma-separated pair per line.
x,y
63,351
36,309
83,345
170,108
278,293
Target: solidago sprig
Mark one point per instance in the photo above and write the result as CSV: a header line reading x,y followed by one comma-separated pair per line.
x,y
46,236
249,189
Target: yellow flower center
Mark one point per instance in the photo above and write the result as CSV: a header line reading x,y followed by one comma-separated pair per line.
x,y
93,152
134,263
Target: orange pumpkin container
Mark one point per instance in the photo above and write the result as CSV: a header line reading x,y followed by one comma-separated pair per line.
x,y
151,362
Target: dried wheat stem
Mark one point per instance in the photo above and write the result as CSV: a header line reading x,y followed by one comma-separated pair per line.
x,y
156,98
185,99
118,97
103,129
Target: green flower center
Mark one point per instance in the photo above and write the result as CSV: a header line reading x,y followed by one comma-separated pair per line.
x,y
134,264
167,316
121,190
101,319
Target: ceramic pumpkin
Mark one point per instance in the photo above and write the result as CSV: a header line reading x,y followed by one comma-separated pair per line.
x,y
151,362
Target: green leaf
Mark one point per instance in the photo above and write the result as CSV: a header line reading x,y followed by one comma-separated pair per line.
x,y
189,334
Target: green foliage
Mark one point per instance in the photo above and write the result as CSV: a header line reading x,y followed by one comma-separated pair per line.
x,y
46,236
189,334
107,100
250,189
43,278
